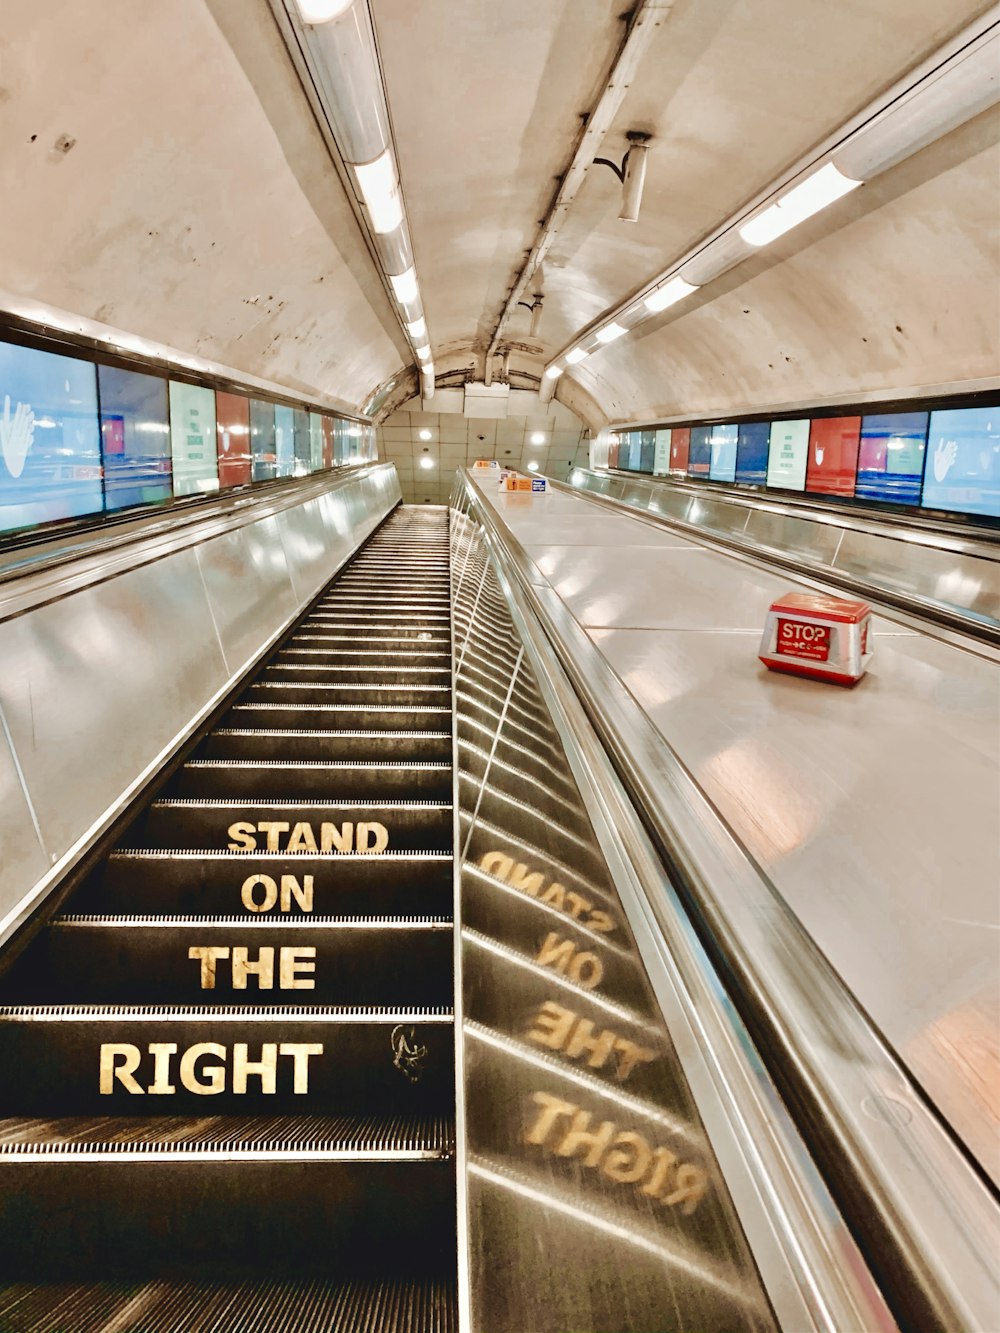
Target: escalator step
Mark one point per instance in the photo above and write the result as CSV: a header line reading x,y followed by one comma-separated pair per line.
x,y
274,742
355,717
300,779
329,960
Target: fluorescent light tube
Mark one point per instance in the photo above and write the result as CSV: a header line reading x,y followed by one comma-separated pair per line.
x,y
610,332
322,11
404,286
379,186
418,329
576,356
823,187
669,294
553,372
424,352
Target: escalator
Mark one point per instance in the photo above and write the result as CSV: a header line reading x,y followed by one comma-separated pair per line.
x,y
228,1061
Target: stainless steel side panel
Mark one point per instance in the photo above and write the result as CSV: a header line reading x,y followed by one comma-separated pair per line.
x,y
106,671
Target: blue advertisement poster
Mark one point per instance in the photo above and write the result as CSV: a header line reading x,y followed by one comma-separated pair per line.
x,y
135,435
50,439
700,451
284,434
192,439
647,446
962,467
751,453
303,446
262,443
788,453
891,457
723,458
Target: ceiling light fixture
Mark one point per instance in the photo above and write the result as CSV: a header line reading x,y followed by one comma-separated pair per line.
x,y
427,462
379,186
532,466
669,294
576,356
336,39
610,332
538,437
424,353
815,193
553,372
425,434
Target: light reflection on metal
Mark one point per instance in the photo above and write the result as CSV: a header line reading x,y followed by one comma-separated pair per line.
x,y
594,1216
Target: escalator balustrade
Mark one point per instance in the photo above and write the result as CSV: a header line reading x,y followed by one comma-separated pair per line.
x,y
228,1078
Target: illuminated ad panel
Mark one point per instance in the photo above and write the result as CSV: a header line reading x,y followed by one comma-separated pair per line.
x,y
192,439
962,467
751,453
315,442
788,449
833,455
614,449
700,451
302,464
284,434
135,437
262,444
232,420
329,440
50,439
647,447
661,453
680,447
723,453
891,457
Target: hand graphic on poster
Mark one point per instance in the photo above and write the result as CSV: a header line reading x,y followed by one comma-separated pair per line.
x,y
944,458
17,434
820,453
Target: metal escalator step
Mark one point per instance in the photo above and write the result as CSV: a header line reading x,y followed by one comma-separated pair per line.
x,y
221,1196
300,692
356,627
355,717
199,882
356,673
146,959
288,743
253,1305
297,650
138,1059
366,779
410,825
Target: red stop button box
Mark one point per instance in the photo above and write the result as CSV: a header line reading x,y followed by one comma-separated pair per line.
x,y
813,634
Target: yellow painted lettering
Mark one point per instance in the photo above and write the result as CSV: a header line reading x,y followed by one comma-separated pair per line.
x,y
266,1068
161,1051
300,1053
249,898
551,1109
243,837
208,955
372,838
552,1025
629,1158
579,1136
273,830
292,963
213,1077
598,1046
119,1060
331,840
302,839
262,969
302,893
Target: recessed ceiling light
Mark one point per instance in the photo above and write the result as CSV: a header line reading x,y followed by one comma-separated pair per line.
x,y
425,434
538,437
427,462
532,466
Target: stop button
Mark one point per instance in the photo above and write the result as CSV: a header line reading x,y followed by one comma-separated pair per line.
x,y
814,634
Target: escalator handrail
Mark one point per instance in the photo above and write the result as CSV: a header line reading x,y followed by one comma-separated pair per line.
x,y
972,624
924,1219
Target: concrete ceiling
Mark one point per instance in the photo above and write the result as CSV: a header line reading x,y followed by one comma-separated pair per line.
x,y
162,172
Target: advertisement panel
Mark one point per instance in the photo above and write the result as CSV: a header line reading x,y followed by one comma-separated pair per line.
x,y
723,453
700,451
680,447
284,435
50,440
302,445
962,466
192,439
232,422
788,449
135,436
751,453
661,453
833,455
315,442
262,443
328,441
647,445
891,457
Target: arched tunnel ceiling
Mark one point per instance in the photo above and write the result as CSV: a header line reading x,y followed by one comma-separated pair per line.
x,y
197,204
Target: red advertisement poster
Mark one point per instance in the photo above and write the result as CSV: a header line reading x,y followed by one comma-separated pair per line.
x,y
328,441
232,420
680,445
613,454
833,455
